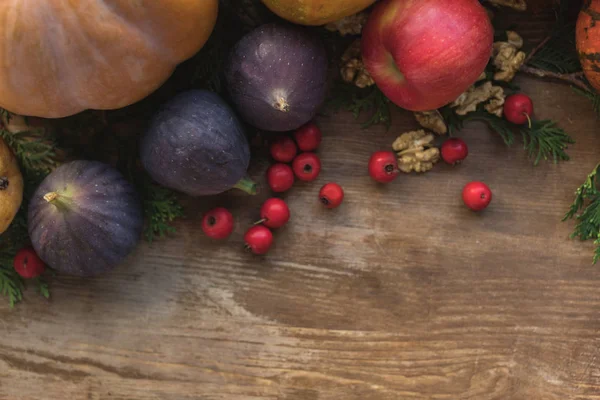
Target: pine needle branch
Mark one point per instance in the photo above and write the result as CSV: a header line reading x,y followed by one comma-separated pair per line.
x,y
370,100
544,140
587,198
11,284
161,208
593,96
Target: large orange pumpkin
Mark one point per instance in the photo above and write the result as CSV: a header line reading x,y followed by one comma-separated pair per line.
x,y
316,12
588,41
58,58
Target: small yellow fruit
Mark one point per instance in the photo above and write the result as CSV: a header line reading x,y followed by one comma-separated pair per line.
x,y
11,186
316,12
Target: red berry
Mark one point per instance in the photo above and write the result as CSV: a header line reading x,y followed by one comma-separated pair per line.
x,y
274,213
280,177
284,149
307,166
258,239
518,109
217,223
308,137
383,166
454,150
477,195
331,195
28,264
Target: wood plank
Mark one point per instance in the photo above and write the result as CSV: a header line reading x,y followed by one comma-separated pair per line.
x,y
400,294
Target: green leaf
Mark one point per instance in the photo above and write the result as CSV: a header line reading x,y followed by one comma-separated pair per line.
x,y
345,96
544,140
11,284
593,96
559,54
42,287
586,211
161,208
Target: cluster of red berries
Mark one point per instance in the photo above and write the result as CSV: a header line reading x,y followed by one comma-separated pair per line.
x,y
383,168
275,213
306,166
383,165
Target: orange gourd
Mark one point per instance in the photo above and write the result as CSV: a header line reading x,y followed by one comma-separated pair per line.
x,y
316,12
588,41
58,58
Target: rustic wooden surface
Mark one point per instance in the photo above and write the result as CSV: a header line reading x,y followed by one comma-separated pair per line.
x,y
400,294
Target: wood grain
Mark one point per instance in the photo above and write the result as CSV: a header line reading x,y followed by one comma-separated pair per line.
x,y
399,294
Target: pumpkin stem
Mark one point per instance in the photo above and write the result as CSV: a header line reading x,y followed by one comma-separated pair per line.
x,y
282,105
3,183
247,185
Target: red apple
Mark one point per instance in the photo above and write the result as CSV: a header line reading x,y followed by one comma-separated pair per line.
x,y
423,54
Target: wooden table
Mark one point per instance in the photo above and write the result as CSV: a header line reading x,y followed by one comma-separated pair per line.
x,y
402,293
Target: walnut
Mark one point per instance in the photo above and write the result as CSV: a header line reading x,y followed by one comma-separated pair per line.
x,y
519,5
507,57
351,25
353,69
475,95
432,120
416,151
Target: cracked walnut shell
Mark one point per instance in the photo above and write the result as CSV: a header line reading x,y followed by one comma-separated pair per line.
x,y
507,57
350,25
353,69
416,151
487,93
432,120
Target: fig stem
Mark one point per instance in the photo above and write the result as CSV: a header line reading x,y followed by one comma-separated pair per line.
x,y
60,201
50,197
247,185
282,105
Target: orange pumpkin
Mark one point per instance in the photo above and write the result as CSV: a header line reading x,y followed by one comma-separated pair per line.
x,y
588,41
58,58
316,12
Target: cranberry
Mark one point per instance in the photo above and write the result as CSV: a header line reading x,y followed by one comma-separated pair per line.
x,y
383,166
280,177
331,195
454,150
308,137
518,109
307,166
283,149
274,213
217,223
476,195
28,264
258,239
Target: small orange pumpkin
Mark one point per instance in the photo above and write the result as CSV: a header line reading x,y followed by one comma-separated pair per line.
x,y
62,57
588,41
316,12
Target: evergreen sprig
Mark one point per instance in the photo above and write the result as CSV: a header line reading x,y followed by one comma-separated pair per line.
x,y
161,208
35,150
587,198
345,96
544,140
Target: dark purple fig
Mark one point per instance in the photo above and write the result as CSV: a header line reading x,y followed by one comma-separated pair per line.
x,y
84,218
196,145
276,76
